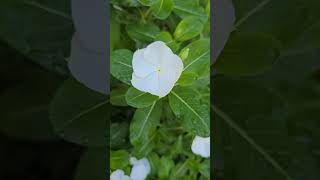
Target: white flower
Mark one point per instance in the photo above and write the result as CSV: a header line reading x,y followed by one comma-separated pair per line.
x,y
156,69
201,146
141,168
119,175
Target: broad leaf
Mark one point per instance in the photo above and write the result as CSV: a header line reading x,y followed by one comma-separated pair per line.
x,y
139,99
162,8
121,65
185,8
119,159
185,103
80,114
142,32
144,122
198,59
188,28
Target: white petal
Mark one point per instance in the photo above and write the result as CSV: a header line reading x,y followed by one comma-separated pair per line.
x,y
171,70
119,175
141,66
155,51
201,146
148,84
140,170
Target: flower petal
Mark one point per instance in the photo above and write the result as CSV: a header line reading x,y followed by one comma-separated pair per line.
x,y
141,66
140,170
155,51
172,66
119,175
201,146
148,84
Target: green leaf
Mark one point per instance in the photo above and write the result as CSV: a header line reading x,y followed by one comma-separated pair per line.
x,y
144,121
185,103
118,134
30,34
188,28
198,59
154,163
92,165
248,54
139,99
187,79
121,65
185,8
167,38
80,114
142,32
119,159
147,2
118,96
165,166
161,9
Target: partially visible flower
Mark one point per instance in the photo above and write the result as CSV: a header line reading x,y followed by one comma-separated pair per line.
x,y
156,69
201,146
141,168
119,175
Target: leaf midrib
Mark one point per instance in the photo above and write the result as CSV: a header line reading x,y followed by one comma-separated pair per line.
x,y
146,119
186,104
194,61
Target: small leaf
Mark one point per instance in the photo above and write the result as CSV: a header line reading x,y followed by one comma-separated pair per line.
x,y
188,28
143,122
139,99
142,32
118,134
121,65
185,103
119,159
162,8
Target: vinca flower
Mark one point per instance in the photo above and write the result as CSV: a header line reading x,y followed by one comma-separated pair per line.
x,y
141,168
119,175
156,69
201,146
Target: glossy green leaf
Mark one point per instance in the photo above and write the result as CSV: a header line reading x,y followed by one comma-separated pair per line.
x,y
198,59
188,28
186,8
147,2
119,159
144,121
185,103
142,32
139,99
161,9
79,114
165,166
121,65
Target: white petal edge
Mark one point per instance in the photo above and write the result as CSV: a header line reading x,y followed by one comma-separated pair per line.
x,y
155,51
141,168
119,175
201,146
148,84
140,65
